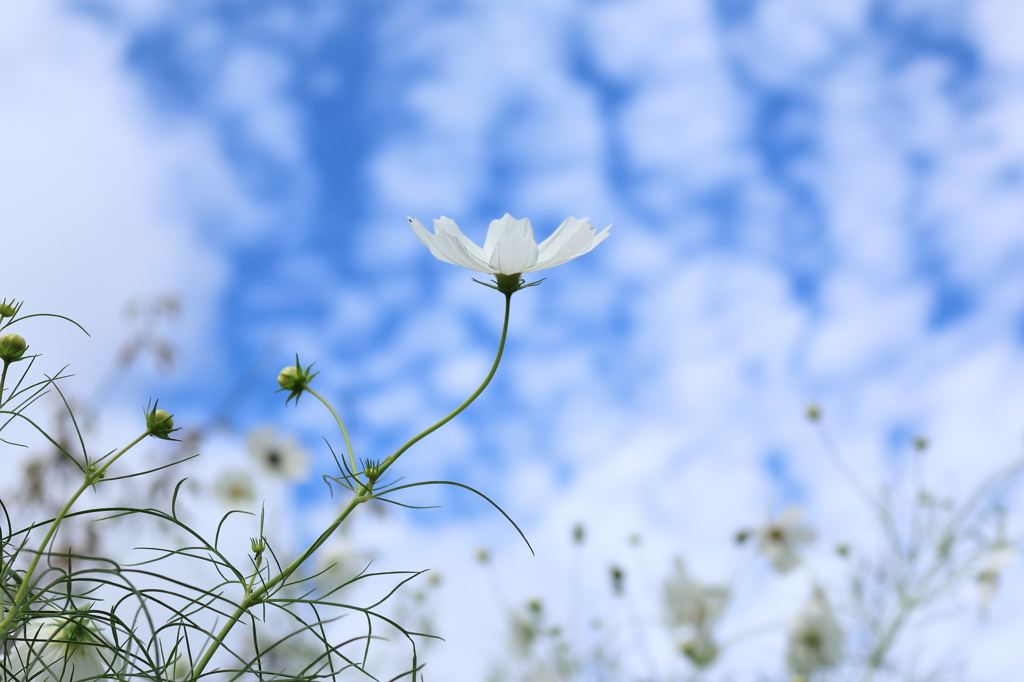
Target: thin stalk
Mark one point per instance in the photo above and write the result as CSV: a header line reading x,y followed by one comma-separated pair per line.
x,y
494,368
90,480
255,596
344,431
3,379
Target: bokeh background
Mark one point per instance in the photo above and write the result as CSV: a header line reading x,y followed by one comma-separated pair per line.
x,y
812,201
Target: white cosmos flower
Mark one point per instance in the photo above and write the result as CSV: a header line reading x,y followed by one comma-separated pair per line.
x,y
235,487
816,638
509,248
992,567
278,456
781,540
56,649
691,602
339,562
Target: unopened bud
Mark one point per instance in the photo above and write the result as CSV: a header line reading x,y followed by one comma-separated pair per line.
x,y
813,412
8,309
12,347
295,379
160,423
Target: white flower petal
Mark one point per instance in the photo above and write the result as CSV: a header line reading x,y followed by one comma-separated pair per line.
x,y
506,227
427,239
455,252
575,238
444,224
575,244
510,247
450,245
513,255
569,227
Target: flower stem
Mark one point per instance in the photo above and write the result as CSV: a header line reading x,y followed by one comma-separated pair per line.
x,y
90,479
253,597
423,434
344,431
3,379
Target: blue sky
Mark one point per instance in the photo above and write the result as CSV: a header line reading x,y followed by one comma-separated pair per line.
x,y
811,201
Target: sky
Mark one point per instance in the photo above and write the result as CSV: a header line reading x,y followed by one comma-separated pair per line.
x,y
810,202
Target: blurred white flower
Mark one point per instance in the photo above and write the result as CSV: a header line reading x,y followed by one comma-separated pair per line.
x,y
700,649
509,248
780,541
338,562
278,456
56,649
691,602
816,638
992,567
235,488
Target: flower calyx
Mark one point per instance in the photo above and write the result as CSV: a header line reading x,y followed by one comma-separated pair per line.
x,y
12,347
373,470
295,379
259,546
160,423
9,308
509,284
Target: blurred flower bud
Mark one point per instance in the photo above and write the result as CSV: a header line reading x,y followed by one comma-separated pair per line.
x,y
12,347
579,533
482,555
813,412
618,577
295,380
742,536
843,550
920,443
160,423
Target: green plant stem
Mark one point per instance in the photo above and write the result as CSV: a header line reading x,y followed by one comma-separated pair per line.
x,y
344,431
490,375
90,480
3,379
255,596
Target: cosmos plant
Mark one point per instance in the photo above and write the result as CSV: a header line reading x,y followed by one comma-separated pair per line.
x,y
225,605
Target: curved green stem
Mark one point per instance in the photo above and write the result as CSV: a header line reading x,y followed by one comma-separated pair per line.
x,y
253,597
344,431
90,479
490,375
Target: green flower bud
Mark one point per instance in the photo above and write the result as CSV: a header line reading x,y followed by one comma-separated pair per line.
x,y
8,309
12,347
287,376
160,423
258,545
295,379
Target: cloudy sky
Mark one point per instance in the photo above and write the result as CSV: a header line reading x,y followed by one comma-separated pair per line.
x,y
811,202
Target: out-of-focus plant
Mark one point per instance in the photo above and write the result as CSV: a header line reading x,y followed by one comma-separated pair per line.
x,y
864,613
221,604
